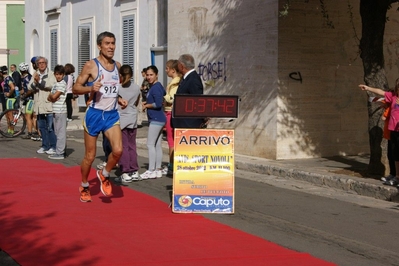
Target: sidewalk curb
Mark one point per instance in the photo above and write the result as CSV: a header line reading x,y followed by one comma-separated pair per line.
x,y
319,178
343,182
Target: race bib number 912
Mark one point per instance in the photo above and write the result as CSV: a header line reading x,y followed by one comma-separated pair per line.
x,y
110,90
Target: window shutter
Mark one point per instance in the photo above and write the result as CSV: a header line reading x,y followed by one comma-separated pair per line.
x,y
84,43
53,49
128,53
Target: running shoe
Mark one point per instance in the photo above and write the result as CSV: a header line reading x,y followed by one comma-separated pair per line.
x,y
158,173
148,175
51,151
105,184
165,169
56,156
125,178
36,137
392,182
41,151
135,176
27,136
386,178
84,194
101,165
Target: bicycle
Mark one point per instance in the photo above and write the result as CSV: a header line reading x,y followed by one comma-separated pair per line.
x,y
12,122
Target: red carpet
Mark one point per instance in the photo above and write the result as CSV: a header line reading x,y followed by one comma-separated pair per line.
x,y
42,222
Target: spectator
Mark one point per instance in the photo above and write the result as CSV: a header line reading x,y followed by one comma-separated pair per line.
x,y
156,119
16,76
128,121
190,84
27,98
41,83
70,80
144,90
36,134
58,98
10,93
172,72
387,136
33,62
392,99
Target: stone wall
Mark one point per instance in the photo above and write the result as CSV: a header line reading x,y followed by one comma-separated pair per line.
x,y
323,114
297,75
235,47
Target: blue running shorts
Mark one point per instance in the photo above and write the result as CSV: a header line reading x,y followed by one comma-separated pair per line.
x,y
96,120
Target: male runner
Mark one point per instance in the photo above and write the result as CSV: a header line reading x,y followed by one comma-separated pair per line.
x,y
100,77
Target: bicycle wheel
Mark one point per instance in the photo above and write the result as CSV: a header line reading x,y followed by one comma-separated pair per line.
x,y
12,124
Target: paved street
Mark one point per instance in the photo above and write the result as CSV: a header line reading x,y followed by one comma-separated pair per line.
x,y
330,224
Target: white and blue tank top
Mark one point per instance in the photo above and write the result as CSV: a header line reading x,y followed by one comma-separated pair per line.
x,y
106,98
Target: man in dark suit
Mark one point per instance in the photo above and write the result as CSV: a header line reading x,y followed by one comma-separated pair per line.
x,y
190,84
16,76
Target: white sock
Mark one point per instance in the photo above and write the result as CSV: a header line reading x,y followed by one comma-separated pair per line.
x,y
85,184
105,172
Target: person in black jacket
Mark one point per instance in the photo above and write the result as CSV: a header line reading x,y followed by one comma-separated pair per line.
x,y
16,76
190,83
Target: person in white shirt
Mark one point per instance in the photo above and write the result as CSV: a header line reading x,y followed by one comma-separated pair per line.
x,y
58,98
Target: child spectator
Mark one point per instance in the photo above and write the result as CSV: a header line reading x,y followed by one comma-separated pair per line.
x,y
387,135
128,121
58,98
392,99
69,79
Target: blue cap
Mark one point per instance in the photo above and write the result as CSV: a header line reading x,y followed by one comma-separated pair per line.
x,y
33,60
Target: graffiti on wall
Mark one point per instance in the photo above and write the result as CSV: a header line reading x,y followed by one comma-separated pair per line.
x,y
296,76
213,70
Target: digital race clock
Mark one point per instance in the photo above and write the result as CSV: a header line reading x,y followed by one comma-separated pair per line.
x,y
189,105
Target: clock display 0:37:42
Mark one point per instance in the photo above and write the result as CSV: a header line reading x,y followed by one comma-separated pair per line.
x,y
205,106
210,105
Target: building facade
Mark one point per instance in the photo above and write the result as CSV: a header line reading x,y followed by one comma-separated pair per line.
x,y
66,31
12,34
295,67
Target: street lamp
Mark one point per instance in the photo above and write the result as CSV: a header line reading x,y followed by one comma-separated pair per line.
x,y
8,52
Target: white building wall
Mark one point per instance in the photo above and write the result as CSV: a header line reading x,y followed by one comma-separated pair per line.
x,y
102,15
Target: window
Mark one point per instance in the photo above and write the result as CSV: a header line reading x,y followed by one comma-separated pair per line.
x,y
53,49
128,41
84,45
